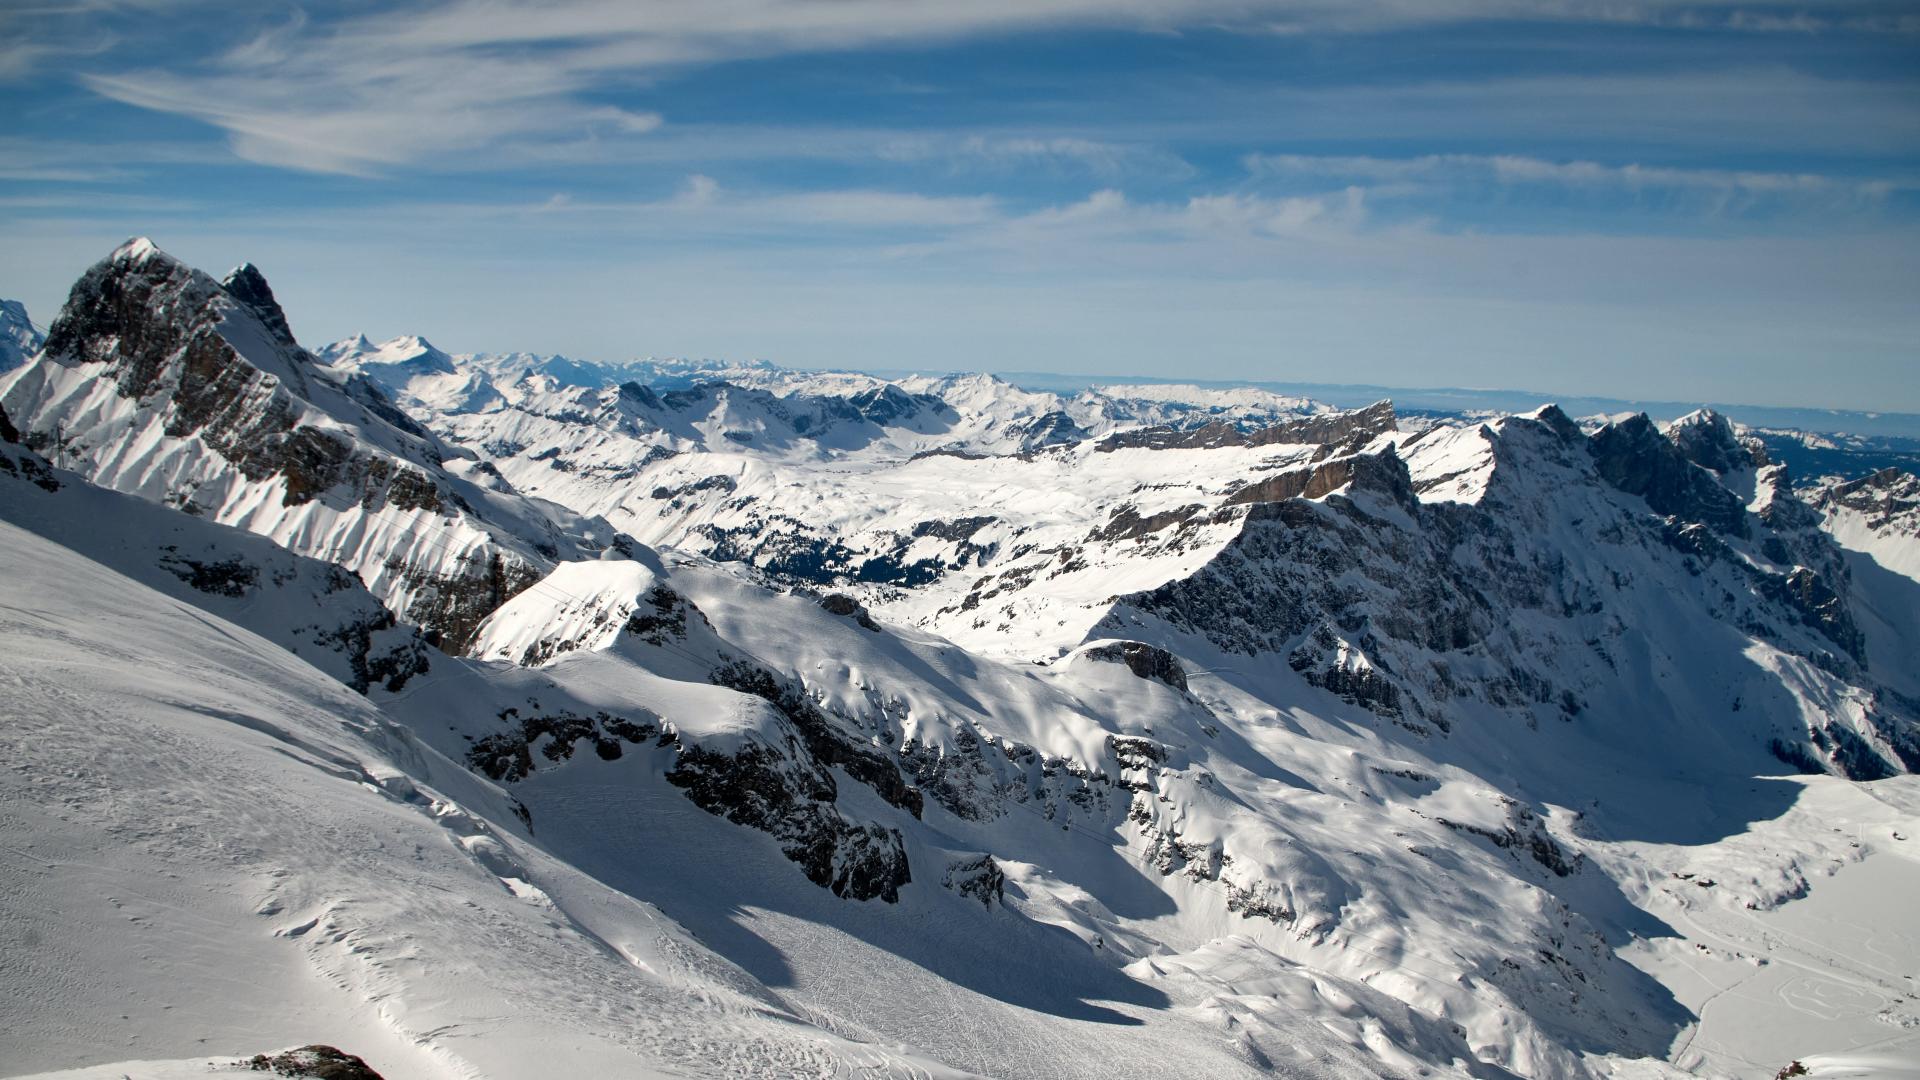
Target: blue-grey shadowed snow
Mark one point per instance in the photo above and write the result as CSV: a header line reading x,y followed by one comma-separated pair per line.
x,y
784,932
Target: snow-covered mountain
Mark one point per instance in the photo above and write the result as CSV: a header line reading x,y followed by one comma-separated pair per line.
x,y
159,381
19,338
739,721
1879,516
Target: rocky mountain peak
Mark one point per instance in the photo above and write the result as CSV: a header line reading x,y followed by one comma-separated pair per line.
x,y
1707,439
19,338
1633,456
246,284
1557,420
151,359
159,324
139,249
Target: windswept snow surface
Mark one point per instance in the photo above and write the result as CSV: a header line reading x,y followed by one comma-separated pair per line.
x,y
211,847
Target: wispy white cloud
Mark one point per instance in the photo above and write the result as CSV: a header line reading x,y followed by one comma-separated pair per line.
x,y
40,160
425,82
1520,169
390,114
703,208
1060,154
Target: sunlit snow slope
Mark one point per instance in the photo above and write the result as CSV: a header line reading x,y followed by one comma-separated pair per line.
x,y
735,721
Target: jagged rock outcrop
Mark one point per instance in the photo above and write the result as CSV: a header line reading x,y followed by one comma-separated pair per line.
x,y
979,878
1342,668
1876,515
311,607
317,1061
823,740
785,793
1374,472
246,284
1350,428
848,608
1707,439
1634,457
1886,497
1146,661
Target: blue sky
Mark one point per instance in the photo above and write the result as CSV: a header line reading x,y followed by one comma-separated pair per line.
x,y
1662,200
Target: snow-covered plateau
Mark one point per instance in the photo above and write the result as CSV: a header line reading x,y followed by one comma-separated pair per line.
x,y
517,716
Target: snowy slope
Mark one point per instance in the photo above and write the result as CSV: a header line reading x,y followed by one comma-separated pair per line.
x,y
311,608
1621,565
324,824
1146,731
212,847
1878,516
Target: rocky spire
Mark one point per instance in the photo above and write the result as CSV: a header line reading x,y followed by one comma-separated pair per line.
x,y
247,285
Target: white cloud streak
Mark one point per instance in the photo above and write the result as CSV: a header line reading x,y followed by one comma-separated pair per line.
x,y
1518,169
426,83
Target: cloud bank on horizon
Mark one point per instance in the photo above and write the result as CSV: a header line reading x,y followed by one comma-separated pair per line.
x,y
1654,200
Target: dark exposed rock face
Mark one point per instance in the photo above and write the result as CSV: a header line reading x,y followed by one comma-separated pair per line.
x,y
1213,434
1819,606
791,798
1127,523
1632,456
823,740
1328,661
317,1061
1383,473
233,577
722,484
848,608
981,776
1707,439
308,604
889,404
780,788
24,463
247,285
980,878
1049,429
1143,764
450,608
1146,661
1342,428
508,754
1360,425
1885,498
662,619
